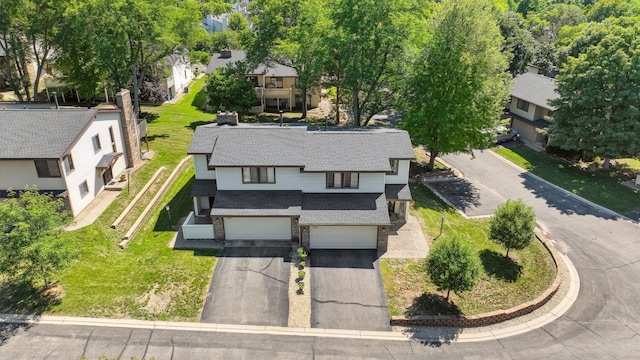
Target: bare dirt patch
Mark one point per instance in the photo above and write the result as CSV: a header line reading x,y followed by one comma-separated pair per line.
x,y
155,302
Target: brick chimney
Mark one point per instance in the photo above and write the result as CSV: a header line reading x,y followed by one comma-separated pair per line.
x,y
227,118
225,53
129,128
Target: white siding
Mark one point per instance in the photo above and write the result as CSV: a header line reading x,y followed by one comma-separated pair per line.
x,y
257,228
202,170
293,179
403,174
344,237
181,76
15,174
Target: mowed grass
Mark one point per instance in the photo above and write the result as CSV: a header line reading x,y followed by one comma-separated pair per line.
x,y
147,280
599,186
503,282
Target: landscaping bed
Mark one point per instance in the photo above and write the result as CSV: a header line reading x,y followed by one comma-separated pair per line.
x,y
503,282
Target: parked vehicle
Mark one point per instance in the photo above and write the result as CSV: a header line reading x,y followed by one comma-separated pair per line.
x,y
503,134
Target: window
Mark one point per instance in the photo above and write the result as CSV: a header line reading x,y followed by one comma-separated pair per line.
x,y
394,167
338,180
113,139
84,189
276,82
522,105
68,163
209,167
254,80
47,168
96,143
258,175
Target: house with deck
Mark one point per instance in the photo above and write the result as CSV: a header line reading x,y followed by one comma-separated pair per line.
x,y
529,105
276,85
72,153
334,188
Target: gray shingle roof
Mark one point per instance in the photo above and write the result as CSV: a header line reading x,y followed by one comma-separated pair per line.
x,y
344,209
257,203
536,89
44,134
397,192
272,69
255,145
220,62
204,187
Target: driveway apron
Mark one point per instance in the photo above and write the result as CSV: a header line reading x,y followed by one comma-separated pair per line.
x,y
249,287
347,291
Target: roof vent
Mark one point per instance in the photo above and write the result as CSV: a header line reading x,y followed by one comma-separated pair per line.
x,y
227,118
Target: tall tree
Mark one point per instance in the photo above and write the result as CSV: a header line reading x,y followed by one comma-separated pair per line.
x,y
517,40
30,245
598,108
512,225
291,33
452,265
229,89
457,86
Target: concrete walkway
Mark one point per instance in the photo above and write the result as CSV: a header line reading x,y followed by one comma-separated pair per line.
x,y
407,241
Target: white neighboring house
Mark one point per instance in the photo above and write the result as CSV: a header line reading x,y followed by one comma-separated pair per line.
x,y
179,67
214,23
72,153
336,189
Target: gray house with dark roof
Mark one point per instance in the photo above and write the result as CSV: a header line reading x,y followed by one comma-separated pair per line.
x,y
72,153
327,189
276,85
530,96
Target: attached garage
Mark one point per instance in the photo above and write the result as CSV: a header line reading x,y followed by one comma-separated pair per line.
x,y
257,228
343,237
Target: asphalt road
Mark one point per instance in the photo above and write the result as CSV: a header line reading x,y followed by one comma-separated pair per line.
x,y
604,322
347,291
249,287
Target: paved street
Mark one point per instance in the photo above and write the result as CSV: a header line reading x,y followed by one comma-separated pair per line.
x,y
604,322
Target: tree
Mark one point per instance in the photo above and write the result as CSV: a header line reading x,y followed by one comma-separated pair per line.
x,y
518,41
457,86
598,91
604,9
453,265
230,90
512,225
30,244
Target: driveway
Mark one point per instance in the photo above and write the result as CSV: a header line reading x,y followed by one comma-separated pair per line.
x,y
249,287
347,291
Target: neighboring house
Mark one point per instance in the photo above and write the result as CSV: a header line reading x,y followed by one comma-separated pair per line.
x,y
336,189
529,105
276,85
72,153
179,68
213,23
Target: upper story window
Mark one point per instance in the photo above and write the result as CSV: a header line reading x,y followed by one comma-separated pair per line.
x,y
209,167
342,180
258,175
47,168
84,189
96,143
68,163
113,139
254,80
276,82
394,167
522,105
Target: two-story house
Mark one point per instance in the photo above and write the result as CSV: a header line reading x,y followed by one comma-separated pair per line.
x,y
178,66
72,153
530,96
336,189
276,85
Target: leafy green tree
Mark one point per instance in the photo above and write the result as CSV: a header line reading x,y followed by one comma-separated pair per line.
x,y
604,9
453,265
230,90
527,6
457,86
512,225
30,244
237,22
598,109
517,40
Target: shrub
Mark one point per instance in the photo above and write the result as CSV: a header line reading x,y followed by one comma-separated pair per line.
x,y
453,265
512,225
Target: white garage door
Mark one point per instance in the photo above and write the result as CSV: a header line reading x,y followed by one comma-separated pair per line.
x,y
344,237
257,228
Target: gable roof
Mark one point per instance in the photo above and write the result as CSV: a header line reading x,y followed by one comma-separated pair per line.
x,y
362,150
536,89
41,134
273,69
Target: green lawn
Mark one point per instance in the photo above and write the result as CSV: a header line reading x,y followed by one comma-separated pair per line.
x,y
503,283
147,280
601,187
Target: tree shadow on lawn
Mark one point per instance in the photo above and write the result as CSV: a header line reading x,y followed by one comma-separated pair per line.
x,y
24,298
195,124
433,304
153,137
500,266
149,116
199,100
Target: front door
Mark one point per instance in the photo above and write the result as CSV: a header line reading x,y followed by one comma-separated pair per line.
x,y
107,176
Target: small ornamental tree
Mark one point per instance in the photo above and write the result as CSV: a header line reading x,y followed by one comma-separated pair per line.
x,y
512,225
30,245
453,265
230,90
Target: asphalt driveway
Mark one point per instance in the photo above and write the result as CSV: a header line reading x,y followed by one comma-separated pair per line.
x,y
249,287
347,291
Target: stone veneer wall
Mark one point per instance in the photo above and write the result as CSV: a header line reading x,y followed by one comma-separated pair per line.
x,y
129,128
295,229
218,228
494,316
383,237
305,241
